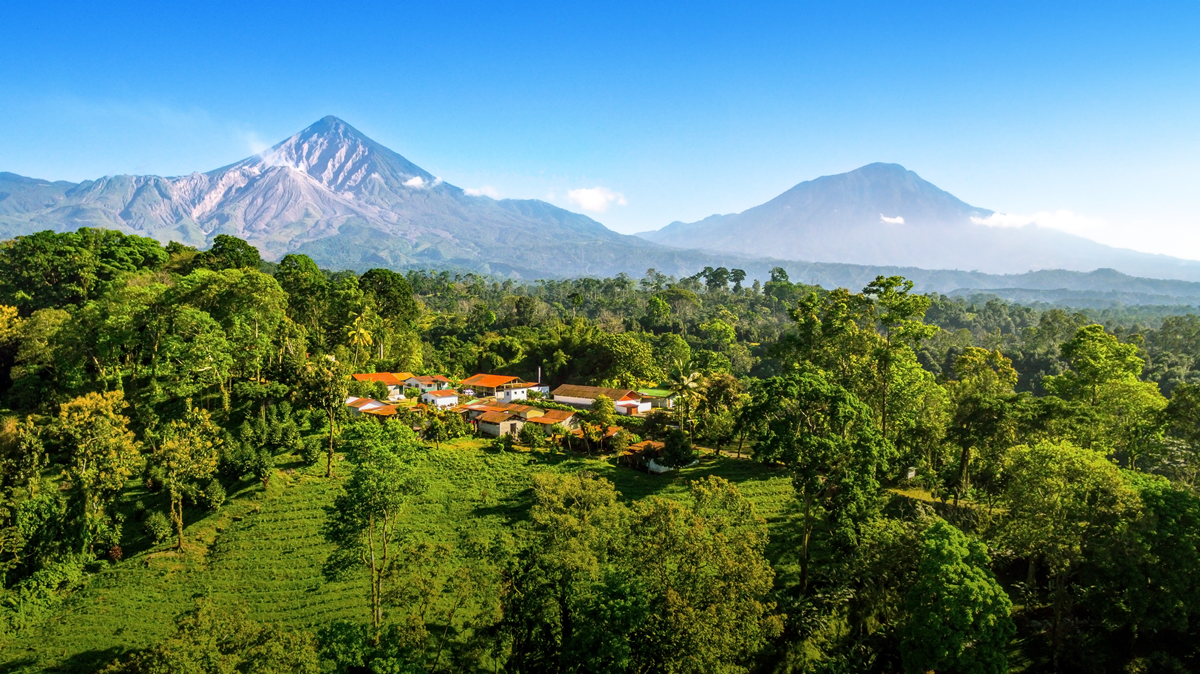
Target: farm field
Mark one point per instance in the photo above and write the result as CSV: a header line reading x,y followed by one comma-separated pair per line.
x,y
266,548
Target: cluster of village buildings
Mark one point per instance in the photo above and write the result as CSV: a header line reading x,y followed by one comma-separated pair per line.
x,y
491,402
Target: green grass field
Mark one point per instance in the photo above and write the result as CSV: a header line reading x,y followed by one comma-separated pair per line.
x,y
265,548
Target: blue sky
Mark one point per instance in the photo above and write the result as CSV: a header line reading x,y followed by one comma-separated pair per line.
x,y
1084,116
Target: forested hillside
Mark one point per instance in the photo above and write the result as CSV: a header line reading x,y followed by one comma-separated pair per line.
x,y
865,480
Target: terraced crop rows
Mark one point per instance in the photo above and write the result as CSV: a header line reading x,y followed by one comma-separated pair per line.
x,y
267,549
272,560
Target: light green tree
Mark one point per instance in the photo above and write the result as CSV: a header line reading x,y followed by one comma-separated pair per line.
x,y
686,385
363,522
325,385
981,395
1060,497
188,451
104,453
1104,375
707,578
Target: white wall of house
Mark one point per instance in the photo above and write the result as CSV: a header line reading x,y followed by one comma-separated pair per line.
x,y
439,401
504,428
509,395
633,407
578,402
431,386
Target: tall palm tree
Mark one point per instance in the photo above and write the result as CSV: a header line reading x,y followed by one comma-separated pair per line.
x,y
359,335
685,385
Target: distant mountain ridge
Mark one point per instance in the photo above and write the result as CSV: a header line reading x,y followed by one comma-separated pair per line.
x,y
347,201
884,214
350,203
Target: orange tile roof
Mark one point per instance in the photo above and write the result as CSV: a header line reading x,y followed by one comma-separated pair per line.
x,y
361,401
385,377
488,380
385,411
494,417
441,394
558,415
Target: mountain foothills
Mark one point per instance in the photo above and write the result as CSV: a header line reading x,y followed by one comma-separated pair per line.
x,y
349,203
883,214
209,464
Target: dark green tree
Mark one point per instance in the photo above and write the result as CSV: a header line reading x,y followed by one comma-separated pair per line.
x,y
392,293
229,252
958,615
829,441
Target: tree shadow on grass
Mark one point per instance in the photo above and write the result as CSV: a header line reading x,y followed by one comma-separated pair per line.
x,y
80,663
513,508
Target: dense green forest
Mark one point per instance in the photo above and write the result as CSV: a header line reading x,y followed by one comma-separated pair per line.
x,y
887,481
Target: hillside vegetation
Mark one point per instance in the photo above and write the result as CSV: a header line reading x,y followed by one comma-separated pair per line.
x,y
865,480
265,549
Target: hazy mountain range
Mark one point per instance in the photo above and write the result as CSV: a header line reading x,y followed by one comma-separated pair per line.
x,y
883,214
350,203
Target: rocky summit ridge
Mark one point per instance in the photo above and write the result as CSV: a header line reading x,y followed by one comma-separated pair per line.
x,y
333,193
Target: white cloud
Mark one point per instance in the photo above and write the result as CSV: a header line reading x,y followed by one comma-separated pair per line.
x,y
898,220
485,191
595,199
415,181
1063,219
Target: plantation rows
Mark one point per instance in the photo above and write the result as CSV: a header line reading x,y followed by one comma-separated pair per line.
x,y
268,550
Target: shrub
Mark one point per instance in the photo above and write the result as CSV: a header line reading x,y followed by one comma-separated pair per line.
x,y
678,450
108,533
153,478
621,441
115,554
313,449
456,427
157,526
657,424
214,495
532,436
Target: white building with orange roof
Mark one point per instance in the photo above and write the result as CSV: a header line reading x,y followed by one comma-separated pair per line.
x,y
503,387
440,399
